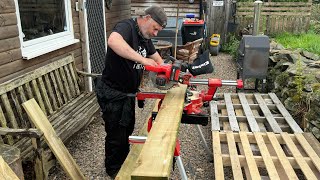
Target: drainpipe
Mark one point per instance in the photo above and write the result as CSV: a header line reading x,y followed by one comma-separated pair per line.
x,y
256,18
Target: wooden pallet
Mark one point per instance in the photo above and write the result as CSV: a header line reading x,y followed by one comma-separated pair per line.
x,y
279,156
251,112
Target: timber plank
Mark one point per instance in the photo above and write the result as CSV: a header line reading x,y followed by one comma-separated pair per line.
x,y
251,163
215,125
309,150
155,159
24,121
14,83
7,32
217,156
65,83
247,110
8,19
56,89
8,108
232,117
271,155
272,122
69,80
298,157
290,121
3,123
289,171
38,95
129,164
74,78
60,85
16,104
43,91
235,163
61,152
6,172
50,92
272,172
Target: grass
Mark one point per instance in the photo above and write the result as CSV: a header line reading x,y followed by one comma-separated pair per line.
x,y
309,41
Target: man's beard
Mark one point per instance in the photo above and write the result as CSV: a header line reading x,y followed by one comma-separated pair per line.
x,y
146,36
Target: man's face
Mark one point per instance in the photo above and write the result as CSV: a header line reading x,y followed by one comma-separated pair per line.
x,y
150,28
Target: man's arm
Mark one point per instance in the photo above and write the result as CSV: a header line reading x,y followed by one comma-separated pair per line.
x,y
156,56
122,48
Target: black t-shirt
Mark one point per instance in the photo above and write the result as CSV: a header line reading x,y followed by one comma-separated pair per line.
x,y
123,74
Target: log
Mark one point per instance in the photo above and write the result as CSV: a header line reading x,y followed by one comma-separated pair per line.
x,y
11,156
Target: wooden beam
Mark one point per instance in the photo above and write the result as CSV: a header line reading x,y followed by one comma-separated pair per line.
x,y
155,159
40,120
129,164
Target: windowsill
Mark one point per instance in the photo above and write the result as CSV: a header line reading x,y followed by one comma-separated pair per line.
x,y
41,49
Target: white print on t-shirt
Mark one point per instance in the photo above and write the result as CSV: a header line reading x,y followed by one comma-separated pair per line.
x,y
142,52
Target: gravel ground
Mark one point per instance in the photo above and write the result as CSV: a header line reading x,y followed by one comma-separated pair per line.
x,y
87,148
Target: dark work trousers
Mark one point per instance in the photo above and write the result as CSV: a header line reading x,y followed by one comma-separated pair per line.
x,y
116,142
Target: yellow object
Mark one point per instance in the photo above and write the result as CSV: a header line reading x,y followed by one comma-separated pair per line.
x,y
215,40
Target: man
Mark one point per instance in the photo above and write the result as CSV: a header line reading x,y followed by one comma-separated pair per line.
x,y
129,50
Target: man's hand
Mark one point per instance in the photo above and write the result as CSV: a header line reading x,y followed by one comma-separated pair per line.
x,y
149,62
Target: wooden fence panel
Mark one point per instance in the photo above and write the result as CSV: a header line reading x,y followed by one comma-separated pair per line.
x,y
277,17
170,7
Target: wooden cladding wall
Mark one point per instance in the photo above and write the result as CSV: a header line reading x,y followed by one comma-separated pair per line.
x,y
277,17
11,62
120,10
169,6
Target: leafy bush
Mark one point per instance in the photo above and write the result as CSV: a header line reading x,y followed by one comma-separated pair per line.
x,y
231,46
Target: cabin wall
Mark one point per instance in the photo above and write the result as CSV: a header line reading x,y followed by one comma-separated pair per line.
x,y
11,62
120,10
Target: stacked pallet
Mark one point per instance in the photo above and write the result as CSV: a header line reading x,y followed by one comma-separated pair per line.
x,y
254,135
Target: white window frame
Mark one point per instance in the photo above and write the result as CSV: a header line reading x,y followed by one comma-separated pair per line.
x,y
39,46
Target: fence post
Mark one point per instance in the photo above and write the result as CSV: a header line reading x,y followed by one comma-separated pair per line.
x,y
256,21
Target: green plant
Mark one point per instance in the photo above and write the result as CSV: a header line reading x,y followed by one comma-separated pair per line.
x,y
308,41
231,46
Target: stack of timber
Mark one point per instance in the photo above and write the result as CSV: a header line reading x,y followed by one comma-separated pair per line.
x,y
189,52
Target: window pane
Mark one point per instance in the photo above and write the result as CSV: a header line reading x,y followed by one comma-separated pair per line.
x,y
41,18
